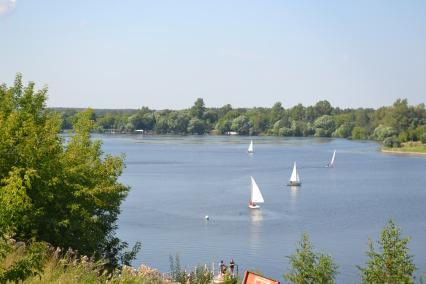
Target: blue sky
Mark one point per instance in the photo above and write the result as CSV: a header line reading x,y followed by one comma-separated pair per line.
x,y
165,54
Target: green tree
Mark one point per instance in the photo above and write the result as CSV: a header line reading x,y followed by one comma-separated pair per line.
x,y
143,119
343,131
241,125
106,121
66,194
223,125
391,263
399,116
359,133
323,108
297,112
178,122
198,109
196,126
309,267
277,111
324,126
161,122
285,131
382,132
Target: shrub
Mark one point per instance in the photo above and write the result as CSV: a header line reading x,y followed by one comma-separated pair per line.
x,y
391,142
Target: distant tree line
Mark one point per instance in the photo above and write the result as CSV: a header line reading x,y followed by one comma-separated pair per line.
x,y
393,124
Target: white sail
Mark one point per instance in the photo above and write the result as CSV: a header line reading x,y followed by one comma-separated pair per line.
x,y
256,195
250,148
332,159
294,175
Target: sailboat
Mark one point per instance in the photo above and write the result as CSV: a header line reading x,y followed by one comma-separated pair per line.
x,y
294,179
256,196
250,148
331,163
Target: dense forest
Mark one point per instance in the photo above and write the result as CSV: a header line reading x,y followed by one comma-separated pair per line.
x,y
393,124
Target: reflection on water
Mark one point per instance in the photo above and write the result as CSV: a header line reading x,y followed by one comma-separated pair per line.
x,y
294,192
255,231
256,216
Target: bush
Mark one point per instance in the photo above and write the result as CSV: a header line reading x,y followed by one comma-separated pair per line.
x,y
18,260
392,142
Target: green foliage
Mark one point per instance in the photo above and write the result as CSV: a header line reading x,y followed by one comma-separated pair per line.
x,y
73,268
423,138
66,194
201,275
285,131
391,263
197,111
241,124
223,125
343,131
324,126
177,272
229,279
382,132
18,261
359,133
322,120
323,108
277,112
309,267
196,126
392,142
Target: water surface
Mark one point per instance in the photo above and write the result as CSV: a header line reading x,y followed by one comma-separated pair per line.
x,y
175,181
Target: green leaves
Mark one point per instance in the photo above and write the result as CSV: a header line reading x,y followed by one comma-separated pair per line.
x,y
391,263
66,194
14,199
26,260
307,266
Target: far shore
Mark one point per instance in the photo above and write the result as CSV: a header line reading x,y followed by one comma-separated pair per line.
x,y
400,151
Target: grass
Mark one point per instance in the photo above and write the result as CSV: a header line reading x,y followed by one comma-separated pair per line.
x,y
408,147
84,271
69,268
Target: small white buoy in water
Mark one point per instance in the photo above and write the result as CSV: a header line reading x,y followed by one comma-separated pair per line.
x,y
207,217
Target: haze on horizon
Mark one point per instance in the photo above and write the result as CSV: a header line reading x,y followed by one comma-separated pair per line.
x,y
165,54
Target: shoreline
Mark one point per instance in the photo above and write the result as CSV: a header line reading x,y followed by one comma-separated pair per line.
x,y
402,152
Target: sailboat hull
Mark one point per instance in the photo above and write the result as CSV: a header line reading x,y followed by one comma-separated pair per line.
x,y
253,206
294,183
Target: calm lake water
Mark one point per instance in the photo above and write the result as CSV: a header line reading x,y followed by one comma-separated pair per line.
x,y
175,181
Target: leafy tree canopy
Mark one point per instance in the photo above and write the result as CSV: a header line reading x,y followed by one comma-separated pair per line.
x,y
63,192
309,267
391,263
